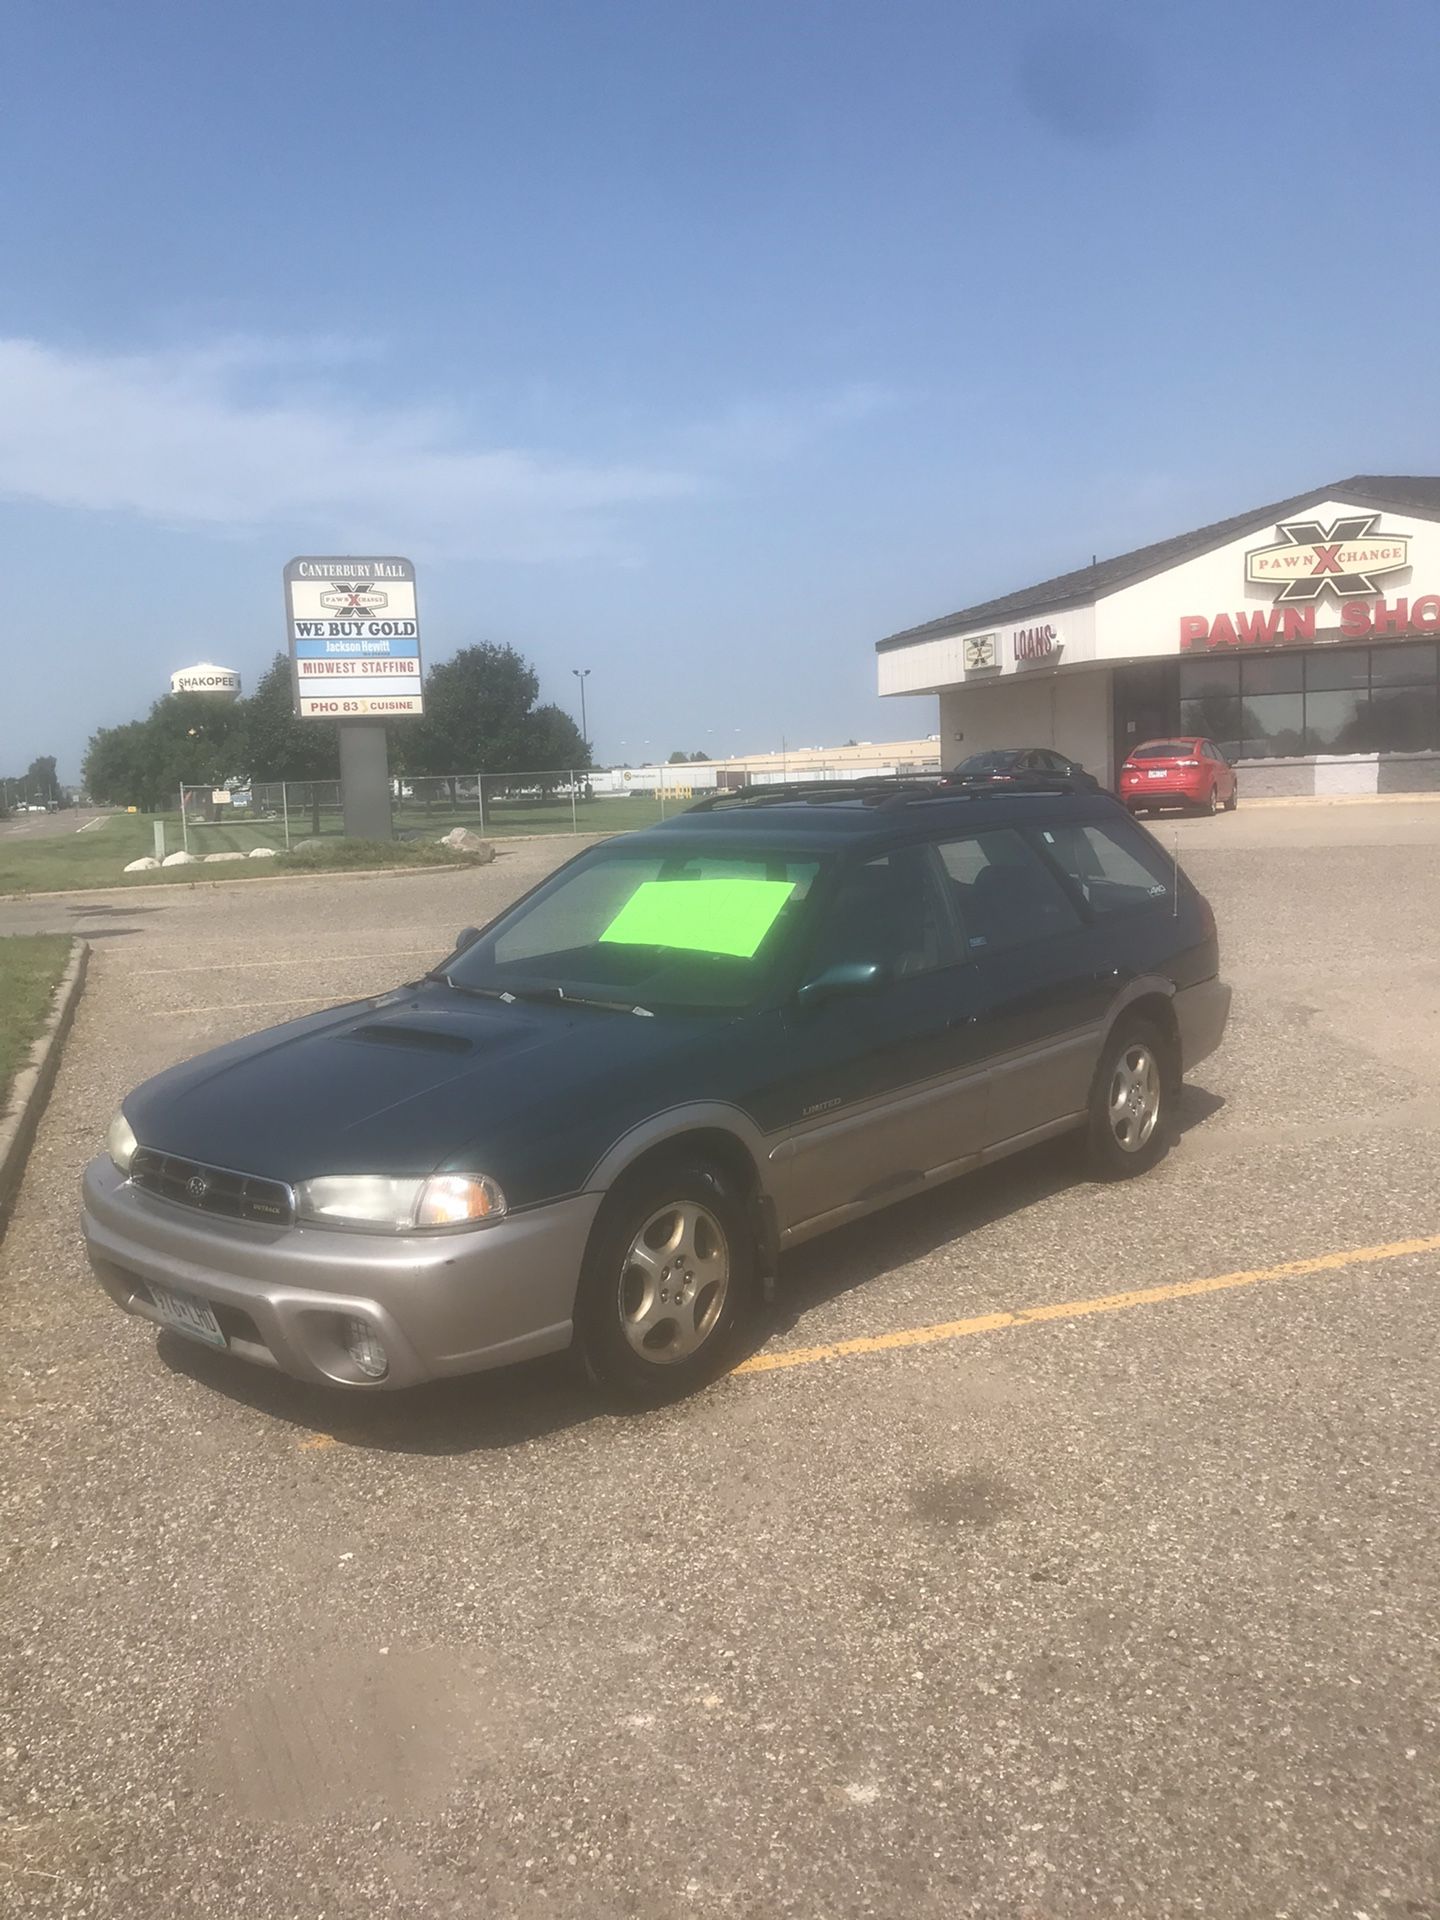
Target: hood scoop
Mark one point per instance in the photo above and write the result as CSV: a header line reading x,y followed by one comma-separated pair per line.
x,y
416,1039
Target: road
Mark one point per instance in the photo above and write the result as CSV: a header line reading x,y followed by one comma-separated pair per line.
x,y
44,826
1125,1605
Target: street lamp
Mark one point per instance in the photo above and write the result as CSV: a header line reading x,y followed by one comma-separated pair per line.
x,y
582,674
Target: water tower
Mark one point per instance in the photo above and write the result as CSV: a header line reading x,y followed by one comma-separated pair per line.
x,y
221,682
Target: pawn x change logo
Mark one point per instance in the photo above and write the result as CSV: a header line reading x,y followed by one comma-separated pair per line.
x,y
353,596
1347,557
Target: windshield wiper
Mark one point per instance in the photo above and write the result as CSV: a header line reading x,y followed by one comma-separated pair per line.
x,y
552,996
560,996
441,978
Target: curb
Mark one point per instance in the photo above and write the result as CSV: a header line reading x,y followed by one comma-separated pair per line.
x,y
31,1087
1339,799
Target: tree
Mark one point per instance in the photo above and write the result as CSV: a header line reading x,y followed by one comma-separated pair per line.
x,y
699,756
114,768
476,708
554,745
278,746
187,739
40,780
480,715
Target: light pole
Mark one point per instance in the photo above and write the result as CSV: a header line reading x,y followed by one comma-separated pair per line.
x,y
582,674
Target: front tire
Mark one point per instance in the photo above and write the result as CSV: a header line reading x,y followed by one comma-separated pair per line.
x,y
1233,801
1129,1126
670,1283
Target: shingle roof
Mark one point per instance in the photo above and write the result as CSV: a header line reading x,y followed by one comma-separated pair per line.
x,y
1403,493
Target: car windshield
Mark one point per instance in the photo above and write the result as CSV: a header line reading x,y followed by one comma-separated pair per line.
x,y
990,762
1165,750
693,930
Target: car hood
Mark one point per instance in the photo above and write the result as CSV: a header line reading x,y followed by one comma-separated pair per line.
x,y
408,1083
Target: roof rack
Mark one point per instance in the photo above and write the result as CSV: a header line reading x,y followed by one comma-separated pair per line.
x,y
881,790
878,789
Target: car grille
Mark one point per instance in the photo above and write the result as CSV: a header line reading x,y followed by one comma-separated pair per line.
x,y
215,1190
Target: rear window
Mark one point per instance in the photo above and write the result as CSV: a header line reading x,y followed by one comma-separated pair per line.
x,y
1115,867
989,762
1165,750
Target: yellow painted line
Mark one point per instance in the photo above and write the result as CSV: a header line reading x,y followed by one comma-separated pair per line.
x,y
1075,1309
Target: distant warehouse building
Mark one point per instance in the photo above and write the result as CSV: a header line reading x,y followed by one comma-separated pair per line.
x,y
1301,638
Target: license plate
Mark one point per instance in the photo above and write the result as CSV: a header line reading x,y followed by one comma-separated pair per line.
x,y
1156,773
187,1315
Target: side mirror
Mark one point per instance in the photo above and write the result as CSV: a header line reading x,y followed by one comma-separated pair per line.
x,y
466,937
842,980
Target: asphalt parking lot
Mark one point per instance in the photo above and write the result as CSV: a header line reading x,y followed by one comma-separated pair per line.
x,y
1124,1606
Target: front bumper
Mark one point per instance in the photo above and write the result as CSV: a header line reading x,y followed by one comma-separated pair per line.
x,y
441,1303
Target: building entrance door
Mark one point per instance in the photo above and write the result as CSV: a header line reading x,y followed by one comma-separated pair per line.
x,y
1147,705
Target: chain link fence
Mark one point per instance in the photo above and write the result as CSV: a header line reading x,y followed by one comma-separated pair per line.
x,y
282,814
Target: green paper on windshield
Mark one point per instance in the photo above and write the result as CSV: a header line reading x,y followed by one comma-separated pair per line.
x,y
700,916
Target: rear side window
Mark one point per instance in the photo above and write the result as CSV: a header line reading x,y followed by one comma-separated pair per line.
x,y
1002,893
888,911
1115,867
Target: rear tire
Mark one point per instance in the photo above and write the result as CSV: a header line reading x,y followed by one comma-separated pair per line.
x,y
1128,1131
670,1283
1212,806
1233,801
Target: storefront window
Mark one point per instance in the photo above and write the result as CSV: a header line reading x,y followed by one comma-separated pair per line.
x,y
1335,722
1272,725
1317,700
1402,721
1209,679
1215,717
1331,667
1402,666
1271,673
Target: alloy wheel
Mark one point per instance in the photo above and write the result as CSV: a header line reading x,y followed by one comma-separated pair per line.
x,y
673,1282
1134,1101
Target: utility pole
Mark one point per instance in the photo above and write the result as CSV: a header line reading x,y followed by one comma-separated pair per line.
x,y
582,674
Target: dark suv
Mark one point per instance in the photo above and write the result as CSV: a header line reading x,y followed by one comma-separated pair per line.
x,y
604,1116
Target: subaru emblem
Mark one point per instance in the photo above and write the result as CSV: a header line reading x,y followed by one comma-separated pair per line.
x,y
197,1186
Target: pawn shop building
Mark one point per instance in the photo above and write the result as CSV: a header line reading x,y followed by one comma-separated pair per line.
x,y
1302,637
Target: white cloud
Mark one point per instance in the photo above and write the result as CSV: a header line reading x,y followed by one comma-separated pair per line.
x,y
178,437
245,434
779,428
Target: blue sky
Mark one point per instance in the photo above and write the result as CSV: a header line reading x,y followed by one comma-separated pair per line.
x,y
699,344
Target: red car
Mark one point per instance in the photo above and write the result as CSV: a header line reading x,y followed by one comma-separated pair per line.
x,y
1178,773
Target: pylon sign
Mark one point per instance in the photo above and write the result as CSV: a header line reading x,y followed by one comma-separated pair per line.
x,y
354,637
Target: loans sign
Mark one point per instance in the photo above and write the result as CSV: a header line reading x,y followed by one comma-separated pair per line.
x,y
354,637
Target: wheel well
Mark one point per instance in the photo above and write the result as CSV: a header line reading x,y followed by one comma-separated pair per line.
x,y
701,1143
731,1155
1157,1008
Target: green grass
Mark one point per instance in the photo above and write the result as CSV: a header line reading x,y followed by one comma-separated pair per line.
x,y
30,965
96,858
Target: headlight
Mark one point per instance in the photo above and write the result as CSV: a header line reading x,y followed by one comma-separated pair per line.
x,y
375,1200
120,1142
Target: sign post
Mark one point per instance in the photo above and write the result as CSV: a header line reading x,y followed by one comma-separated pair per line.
x,y
354,639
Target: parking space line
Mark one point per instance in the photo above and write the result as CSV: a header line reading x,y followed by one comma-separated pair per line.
x,y
295,960
1074,1309
248,1006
